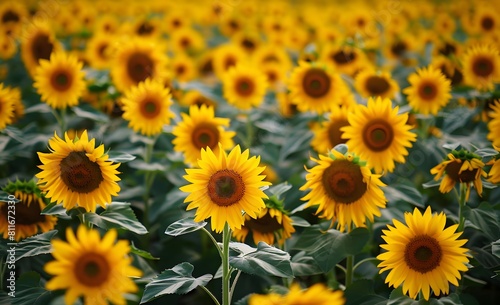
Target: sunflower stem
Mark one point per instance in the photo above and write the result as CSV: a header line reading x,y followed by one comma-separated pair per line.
x,y
233,286
148,181
60,118
461,206
249,133
210,294
368,259
226,275
214,241
349,270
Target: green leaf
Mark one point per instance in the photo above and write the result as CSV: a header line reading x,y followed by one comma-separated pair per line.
x,y
485,218
177,280
304,265
279,189
35,245
88,112
486,152
120,157
5,197
403,191
432,183
299,222
495,248
53,208
264,260
141,253
30,291
330,247
148,167
184,226
361,293
117,215
397,297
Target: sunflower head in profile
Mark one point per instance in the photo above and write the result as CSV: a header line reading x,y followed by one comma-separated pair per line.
x,y
317,294
494,124
344,189
147,107
371,83
223,186
7,106
31,202
201,129
327,134
429,90
423,254
97,269
494,173
460,166
314,87
378,134
137,60
481,66
244,86
76,173
60,80
272,225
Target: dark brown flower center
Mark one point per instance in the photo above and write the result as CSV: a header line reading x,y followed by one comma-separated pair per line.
x,y
465,176
61,80
265,224
399,48
79,174
343,57
377,85
42,47
150,109
180,70
378,135
101,50
92,269
27,212
343,182
448,49
205,135
229,62
226,187
145,29
316,83
482,67
487,23
334,132
427,91
423,254
244,86
248,44
185,42
139,67
10,16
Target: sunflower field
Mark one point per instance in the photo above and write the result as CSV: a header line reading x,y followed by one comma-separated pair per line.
x,y
249,152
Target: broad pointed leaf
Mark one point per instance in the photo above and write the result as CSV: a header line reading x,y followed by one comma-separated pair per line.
x,y
184,226
118,215
29,291
35,245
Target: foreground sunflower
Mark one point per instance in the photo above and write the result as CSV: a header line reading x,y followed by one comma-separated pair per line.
x,y
481,66
93,268
327,134
244,86
494,124
147,107
378,134
224,186
344,189
460,167
29,221
317,294
371,83
423,254
60,80
314,87
429,90
201,129
272,225
76,173
6,106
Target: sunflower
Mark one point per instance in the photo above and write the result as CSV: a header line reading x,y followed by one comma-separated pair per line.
x,y
286,107
371,83
460,167
271,225
60,80
107,24
314,87
38,42
93,268
327,134
224,186
8,47
99,51
429,90
422,254
195,97
136,60
183,68
75,173
244,86
201,129
378,134
345,190
15,93
317,294
12,16
494,173
485,19
187,40
481,66
494,124
6,106
226,56
345,59
29,221
147,107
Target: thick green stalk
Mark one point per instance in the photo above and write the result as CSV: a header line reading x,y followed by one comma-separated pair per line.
x,y
461,207
226,274
349,270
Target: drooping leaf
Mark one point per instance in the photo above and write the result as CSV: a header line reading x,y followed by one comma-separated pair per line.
x,y
118,215
485,218
264,260
304,265
54,208
184,226
120,157
5,197
279,189
178,280
88,112
35,245
495,248
330,247
141,253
